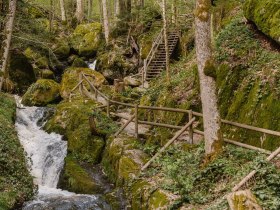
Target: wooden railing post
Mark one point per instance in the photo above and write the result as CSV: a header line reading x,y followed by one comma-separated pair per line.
x,y
145,71
191,127
108,107
81,84
136,121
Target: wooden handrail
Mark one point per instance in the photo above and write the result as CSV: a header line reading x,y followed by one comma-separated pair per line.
x,y
239,125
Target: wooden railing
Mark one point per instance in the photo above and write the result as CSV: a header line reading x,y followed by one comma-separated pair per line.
x,y
151,55
93,93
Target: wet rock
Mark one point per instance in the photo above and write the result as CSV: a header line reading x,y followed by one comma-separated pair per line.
x,y
41,93
133,82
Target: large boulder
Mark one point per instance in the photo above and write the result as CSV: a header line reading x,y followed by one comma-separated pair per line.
x,y
87,38
61,49
41,93
266,15
70,79
21,71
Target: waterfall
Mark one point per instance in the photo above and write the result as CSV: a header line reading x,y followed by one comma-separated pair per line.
x,y
92,65
45,155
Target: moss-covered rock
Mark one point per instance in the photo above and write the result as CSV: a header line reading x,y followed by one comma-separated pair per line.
x,y
16,184
70,79
266,15
76,179
61,49
87,38
37,59
21,71
47,74
248,85
41,93
78,62
71,119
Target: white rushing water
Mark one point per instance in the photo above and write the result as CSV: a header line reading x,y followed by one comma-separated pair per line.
x,y
46,153
92,65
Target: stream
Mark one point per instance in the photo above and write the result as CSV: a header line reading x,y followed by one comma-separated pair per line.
x,y
46,153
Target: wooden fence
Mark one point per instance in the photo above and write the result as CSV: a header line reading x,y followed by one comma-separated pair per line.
x,y
93,93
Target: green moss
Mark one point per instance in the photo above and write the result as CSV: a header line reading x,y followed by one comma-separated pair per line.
x,y
70,79
72,120
78,62
202,10
76,179
266,15
16,184
158,200
210,69
61,49
47,74
87,38
246,84
41,93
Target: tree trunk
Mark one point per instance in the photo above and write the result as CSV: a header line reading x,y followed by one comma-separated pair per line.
x,y
7,42
165,35
89,8
211,116
80,10
62,9
51,15
117,8
105,20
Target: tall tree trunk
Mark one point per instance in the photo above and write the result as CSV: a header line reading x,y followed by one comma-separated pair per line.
x,y
62,9
105,20
89,8
117,8
51,15
80,10
7,42
211,116
165,35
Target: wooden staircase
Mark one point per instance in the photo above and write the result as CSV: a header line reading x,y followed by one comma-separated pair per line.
x,y
155,62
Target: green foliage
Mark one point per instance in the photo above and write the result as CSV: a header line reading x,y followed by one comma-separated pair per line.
x,y
184,173
16,184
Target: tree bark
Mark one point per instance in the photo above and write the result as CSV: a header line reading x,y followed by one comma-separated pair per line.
x,y
80,10
211,116
89,8
165,35
105,20
62,9
7,42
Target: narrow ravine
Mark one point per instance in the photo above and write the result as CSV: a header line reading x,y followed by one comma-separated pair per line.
x,y
46,153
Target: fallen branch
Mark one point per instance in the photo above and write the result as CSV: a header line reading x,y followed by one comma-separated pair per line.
x,y
252,173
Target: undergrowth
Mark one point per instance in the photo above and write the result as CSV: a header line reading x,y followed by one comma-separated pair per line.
x,y
182,172
16,184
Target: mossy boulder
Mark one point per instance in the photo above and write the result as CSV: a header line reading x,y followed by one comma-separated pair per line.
x,y
79,62
41,93
37,60
266,15
76,179
71,119
21,71
61,49
70,79
86,39
122,160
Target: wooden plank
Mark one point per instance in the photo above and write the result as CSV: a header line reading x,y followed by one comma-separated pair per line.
x,y
136,121
168,144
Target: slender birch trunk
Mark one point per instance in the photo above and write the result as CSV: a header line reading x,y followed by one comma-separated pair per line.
x,y
7,42
105,20
165,35
89,8
62,9
80,10
211,116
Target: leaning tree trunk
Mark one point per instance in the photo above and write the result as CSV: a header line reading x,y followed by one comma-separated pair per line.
x,y
62,9
105,20
80,10
7,42
211,116
165,35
